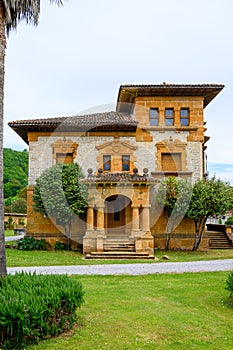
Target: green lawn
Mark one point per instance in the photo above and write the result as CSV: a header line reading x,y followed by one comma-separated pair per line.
x,y
9,233
42,258
165,312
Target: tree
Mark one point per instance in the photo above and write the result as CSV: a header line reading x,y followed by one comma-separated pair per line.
x,y
209,198
19,205
15,171
173,195
11,13
60,194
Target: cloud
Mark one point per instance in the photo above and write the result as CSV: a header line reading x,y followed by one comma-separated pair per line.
x,y
223,171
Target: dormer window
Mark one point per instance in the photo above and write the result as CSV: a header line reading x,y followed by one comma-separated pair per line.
x,y
184,117
107,162
154,116
169,116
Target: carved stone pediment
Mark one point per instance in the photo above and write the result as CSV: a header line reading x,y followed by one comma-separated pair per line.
x,y
117,146
64,147
170,146
116,149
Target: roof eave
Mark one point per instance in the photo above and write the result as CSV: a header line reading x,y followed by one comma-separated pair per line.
x,y
22,129
128,93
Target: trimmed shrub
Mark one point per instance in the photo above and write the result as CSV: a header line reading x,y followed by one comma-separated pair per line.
x,y
229,284
60,246
229,221
30,243
35,307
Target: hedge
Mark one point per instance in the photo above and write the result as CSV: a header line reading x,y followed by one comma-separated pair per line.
x,y
30,243
35,307
229,284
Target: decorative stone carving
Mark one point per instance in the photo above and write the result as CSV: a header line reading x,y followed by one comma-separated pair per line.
x,y
116,149
171,146
64,147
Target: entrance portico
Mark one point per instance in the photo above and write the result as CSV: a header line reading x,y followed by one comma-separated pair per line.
x,y
118,212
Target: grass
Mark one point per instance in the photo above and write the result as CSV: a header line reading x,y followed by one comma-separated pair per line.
x,y
165,312
55,258
9,233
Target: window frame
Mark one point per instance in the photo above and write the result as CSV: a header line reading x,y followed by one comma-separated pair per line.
x,y
127,163
106,162
168,118
184,119
154,118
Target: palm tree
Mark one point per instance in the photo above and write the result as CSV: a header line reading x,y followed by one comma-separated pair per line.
x,y
11,13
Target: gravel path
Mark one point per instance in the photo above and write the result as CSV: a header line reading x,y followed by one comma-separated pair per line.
x,y
131,269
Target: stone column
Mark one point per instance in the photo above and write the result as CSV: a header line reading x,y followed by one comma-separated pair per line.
x,y
135,218
128,219
100,228
146,218
90,218
100,217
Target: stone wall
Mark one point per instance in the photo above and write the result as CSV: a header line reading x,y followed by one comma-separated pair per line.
x,y
41,152
41,227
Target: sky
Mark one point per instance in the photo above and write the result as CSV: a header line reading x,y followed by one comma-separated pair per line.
x,y
79,55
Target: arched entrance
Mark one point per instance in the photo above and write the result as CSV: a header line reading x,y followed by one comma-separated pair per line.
x,y
117,215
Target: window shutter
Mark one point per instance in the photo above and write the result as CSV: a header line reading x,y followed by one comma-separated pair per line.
x,y
66,158
171,161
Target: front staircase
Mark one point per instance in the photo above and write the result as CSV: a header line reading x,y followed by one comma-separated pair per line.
x,y
119,248
219,240
116,244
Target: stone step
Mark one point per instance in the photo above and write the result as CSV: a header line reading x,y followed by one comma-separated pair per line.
x,y
119,249
218,240
119,255
220,247
118,240
218,237
219,243
118,244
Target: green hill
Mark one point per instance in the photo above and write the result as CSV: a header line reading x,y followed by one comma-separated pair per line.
x,y
15,171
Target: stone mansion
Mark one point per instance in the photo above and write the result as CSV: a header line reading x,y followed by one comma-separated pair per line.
x,y
155,131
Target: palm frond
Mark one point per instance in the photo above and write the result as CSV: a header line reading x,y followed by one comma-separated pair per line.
x,y
28,10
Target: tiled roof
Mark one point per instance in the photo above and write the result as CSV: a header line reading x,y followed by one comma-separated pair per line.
x,y
108,121
127,93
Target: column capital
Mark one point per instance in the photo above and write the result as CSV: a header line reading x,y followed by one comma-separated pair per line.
x,y
100,206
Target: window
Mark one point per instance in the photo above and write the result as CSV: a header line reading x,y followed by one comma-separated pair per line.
x,y
154,116
66,158
169,116
107,162
126,162
171,162
184,117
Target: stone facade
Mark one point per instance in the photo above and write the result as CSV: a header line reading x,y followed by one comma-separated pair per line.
x,y
157,131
